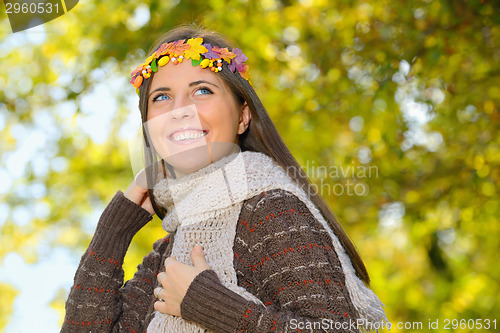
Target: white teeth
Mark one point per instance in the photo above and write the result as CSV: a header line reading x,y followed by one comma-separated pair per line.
x,y
187,135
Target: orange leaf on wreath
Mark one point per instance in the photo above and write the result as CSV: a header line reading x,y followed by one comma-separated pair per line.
x,y
245,74
179,47
224,53
163,49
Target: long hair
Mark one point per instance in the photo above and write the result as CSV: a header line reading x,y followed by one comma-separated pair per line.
x,y
260,136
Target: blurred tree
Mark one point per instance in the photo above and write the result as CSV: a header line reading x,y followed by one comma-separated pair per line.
x,y
408,90
8,296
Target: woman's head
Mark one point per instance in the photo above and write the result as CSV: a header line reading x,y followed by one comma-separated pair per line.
x,y
192,115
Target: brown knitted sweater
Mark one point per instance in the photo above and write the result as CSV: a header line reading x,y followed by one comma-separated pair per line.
x,y
282,254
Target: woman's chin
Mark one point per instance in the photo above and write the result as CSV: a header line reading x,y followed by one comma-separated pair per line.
x,y
187,161
190,160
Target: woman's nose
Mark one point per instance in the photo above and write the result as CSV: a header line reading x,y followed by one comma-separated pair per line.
x,y
187,111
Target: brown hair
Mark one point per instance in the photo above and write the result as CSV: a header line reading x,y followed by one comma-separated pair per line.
x,y
260,136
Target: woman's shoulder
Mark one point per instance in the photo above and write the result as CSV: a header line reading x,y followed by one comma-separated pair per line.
x,y
272,203
276,196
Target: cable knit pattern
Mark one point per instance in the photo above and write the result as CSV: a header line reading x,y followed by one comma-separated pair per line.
x,y
218,192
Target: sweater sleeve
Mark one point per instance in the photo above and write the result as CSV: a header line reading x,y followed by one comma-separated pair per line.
x,y
284,256
98,300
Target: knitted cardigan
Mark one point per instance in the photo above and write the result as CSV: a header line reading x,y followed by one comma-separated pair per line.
x,y
284,268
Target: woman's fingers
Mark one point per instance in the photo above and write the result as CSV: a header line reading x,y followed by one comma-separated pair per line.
x,y
141,180
137,192
139,196
147,205
168,308
176,280
157,292
169,261
162,277
198,258
166,304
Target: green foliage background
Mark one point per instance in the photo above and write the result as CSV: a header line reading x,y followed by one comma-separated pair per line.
x,y
411,87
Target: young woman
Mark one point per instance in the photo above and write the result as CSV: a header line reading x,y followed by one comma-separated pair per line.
x,y
249,246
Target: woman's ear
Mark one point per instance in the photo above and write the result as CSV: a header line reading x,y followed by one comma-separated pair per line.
x,y
245,117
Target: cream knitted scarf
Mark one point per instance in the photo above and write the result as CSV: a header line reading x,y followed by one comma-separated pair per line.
x,y
203,208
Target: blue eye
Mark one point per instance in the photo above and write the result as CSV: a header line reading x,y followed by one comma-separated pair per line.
x,y
160,97
203,91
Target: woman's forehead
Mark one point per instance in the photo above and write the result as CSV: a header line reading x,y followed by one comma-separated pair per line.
x,y
182,74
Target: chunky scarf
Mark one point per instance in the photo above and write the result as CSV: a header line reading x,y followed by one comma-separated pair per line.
x,y
203,208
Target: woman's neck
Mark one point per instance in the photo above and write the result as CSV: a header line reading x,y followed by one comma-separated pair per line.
x,y
216,152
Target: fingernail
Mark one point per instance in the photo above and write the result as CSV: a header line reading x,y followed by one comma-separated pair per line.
x,y
198,248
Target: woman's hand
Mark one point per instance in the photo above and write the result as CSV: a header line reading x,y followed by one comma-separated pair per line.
x,y
176,280
138,192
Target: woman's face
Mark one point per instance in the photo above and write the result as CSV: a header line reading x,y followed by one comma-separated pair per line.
x,y
193,119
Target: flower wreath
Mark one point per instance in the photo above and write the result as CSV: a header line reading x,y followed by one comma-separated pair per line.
x,y
203,55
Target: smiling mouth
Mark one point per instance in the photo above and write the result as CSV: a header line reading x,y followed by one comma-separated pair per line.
x,y
187,135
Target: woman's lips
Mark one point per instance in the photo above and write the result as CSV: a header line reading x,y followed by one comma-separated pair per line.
x,y
187,136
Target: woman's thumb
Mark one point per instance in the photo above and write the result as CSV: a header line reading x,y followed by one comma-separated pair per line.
x,y
198,257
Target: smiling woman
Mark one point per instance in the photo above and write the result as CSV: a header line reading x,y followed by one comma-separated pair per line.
x,y
190,107
249,246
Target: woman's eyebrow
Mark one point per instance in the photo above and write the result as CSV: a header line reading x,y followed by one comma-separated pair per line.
x,y
159,89
194,83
